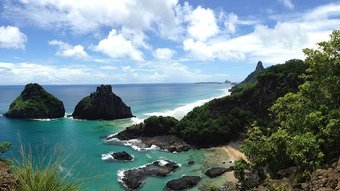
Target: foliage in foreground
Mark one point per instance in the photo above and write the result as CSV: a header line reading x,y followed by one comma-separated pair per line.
x,y
39,174
307,132
4,146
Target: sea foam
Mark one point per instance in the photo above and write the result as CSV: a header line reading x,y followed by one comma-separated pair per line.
x,y
182,110
135,144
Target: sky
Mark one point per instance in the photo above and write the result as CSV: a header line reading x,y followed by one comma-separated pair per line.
x,y
155,41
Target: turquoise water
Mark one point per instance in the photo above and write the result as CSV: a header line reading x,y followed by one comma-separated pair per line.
x,y
82,140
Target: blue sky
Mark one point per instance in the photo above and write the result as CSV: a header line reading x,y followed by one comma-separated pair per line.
x,y
154,41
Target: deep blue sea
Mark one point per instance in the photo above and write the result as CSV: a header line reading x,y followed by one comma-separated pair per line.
x,y
82,141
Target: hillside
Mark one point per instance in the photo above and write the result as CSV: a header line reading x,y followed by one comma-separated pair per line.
x,y
223,119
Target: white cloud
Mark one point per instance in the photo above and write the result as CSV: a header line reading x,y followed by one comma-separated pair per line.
x,y
88,15
163,53
231,22
168,71
270,44
148,72
116,45
202,24
67,50
12,37
22,73
198,50
287,3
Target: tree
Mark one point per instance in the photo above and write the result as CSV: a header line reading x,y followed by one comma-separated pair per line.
x,y
307,123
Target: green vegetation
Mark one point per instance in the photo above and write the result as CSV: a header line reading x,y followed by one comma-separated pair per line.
x,y
159,125
224,119
306,129
39,174
35,102
4,146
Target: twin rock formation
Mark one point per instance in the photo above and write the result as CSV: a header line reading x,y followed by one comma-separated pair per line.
x,y
36,103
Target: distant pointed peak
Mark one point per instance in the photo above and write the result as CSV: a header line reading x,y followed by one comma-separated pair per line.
x,y
259,66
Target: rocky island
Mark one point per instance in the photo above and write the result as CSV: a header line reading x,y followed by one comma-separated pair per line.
x,y
35,103
102,104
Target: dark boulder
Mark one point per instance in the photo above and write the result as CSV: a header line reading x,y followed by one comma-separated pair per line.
x,y
36,103
217,171
134,178
122,156
102,104
183,183
191,162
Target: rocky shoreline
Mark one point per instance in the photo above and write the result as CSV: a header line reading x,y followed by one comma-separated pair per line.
x,y
169,143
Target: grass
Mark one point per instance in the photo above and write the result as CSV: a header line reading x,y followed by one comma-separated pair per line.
x,y
42,172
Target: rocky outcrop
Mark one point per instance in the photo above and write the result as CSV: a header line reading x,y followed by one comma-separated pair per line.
x,y
251,179
134,178
321,180
170,143
154,131
217,171
102,104
7,180
36,103
183,183
122,156
325,179
251,78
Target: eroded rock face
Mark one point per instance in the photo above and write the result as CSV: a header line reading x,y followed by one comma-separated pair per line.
x,y
35,102
325,179
183,183
102,104
134,178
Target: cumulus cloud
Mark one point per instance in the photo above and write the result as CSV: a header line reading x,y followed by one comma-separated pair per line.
x,y
67,50
287,3
12,37
283,41
88,15
163,53
116,45
202,24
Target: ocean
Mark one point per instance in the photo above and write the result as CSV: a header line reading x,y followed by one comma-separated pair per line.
x,y
83,142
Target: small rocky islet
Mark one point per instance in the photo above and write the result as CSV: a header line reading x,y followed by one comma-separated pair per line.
x,y
102,105
35,102
122,156
134,178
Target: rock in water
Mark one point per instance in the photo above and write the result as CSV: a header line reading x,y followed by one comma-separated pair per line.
x,y
134,178
35,103
183,183
102,104
217,171
122,156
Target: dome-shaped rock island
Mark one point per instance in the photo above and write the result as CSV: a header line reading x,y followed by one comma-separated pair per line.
x,y
35,103
102,104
